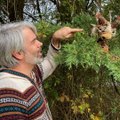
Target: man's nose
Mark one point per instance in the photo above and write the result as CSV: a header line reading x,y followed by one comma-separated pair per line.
x,y
39,44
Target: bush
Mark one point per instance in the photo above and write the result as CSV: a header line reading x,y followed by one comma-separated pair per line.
x,y
86,84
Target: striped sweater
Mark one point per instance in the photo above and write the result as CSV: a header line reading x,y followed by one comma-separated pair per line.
x,y
22,97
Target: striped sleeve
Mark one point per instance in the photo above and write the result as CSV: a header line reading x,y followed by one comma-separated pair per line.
x,y
12,105
15,105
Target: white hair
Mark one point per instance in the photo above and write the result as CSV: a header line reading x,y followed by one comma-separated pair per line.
x,y
12,39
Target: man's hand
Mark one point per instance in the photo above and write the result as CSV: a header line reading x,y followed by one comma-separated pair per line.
x,y
62,34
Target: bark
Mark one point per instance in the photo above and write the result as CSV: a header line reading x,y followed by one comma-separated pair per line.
x,y
38,8
15,9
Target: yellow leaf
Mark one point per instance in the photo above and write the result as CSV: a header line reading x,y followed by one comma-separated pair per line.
x,y
75,109
62,99
67,98
85,96
94,117
88,110
97,118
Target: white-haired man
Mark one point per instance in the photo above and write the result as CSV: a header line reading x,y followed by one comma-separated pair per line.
x,y
23,72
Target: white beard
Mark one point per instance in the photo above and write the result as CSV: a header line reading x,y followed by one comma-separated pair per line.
x,y
31,59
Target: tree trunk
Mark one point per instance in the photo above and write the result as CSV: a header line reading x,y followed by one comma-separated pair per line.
x,y
15,9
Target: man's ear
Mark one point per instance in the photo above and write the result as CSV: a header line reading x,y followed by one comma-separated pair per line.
x,y
18,55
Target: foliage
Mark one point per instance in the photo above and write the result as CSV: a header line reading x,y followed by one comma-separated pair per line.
x,y
82,87
85,51
83,20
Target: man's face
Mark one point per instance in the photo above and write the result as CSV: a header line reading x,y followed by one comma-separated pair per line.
x,y
32,47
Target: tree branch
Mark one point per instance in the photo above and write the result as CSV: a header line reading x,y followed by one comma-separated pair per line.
x,y
30,16
38,8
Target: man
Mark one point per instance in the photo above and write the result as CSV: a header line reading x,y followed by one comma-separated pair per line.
x,y
23,72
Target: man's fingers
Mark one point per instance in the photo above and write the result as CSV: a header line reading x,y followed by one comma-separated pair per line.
x,y
66,32
73,31
76,30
